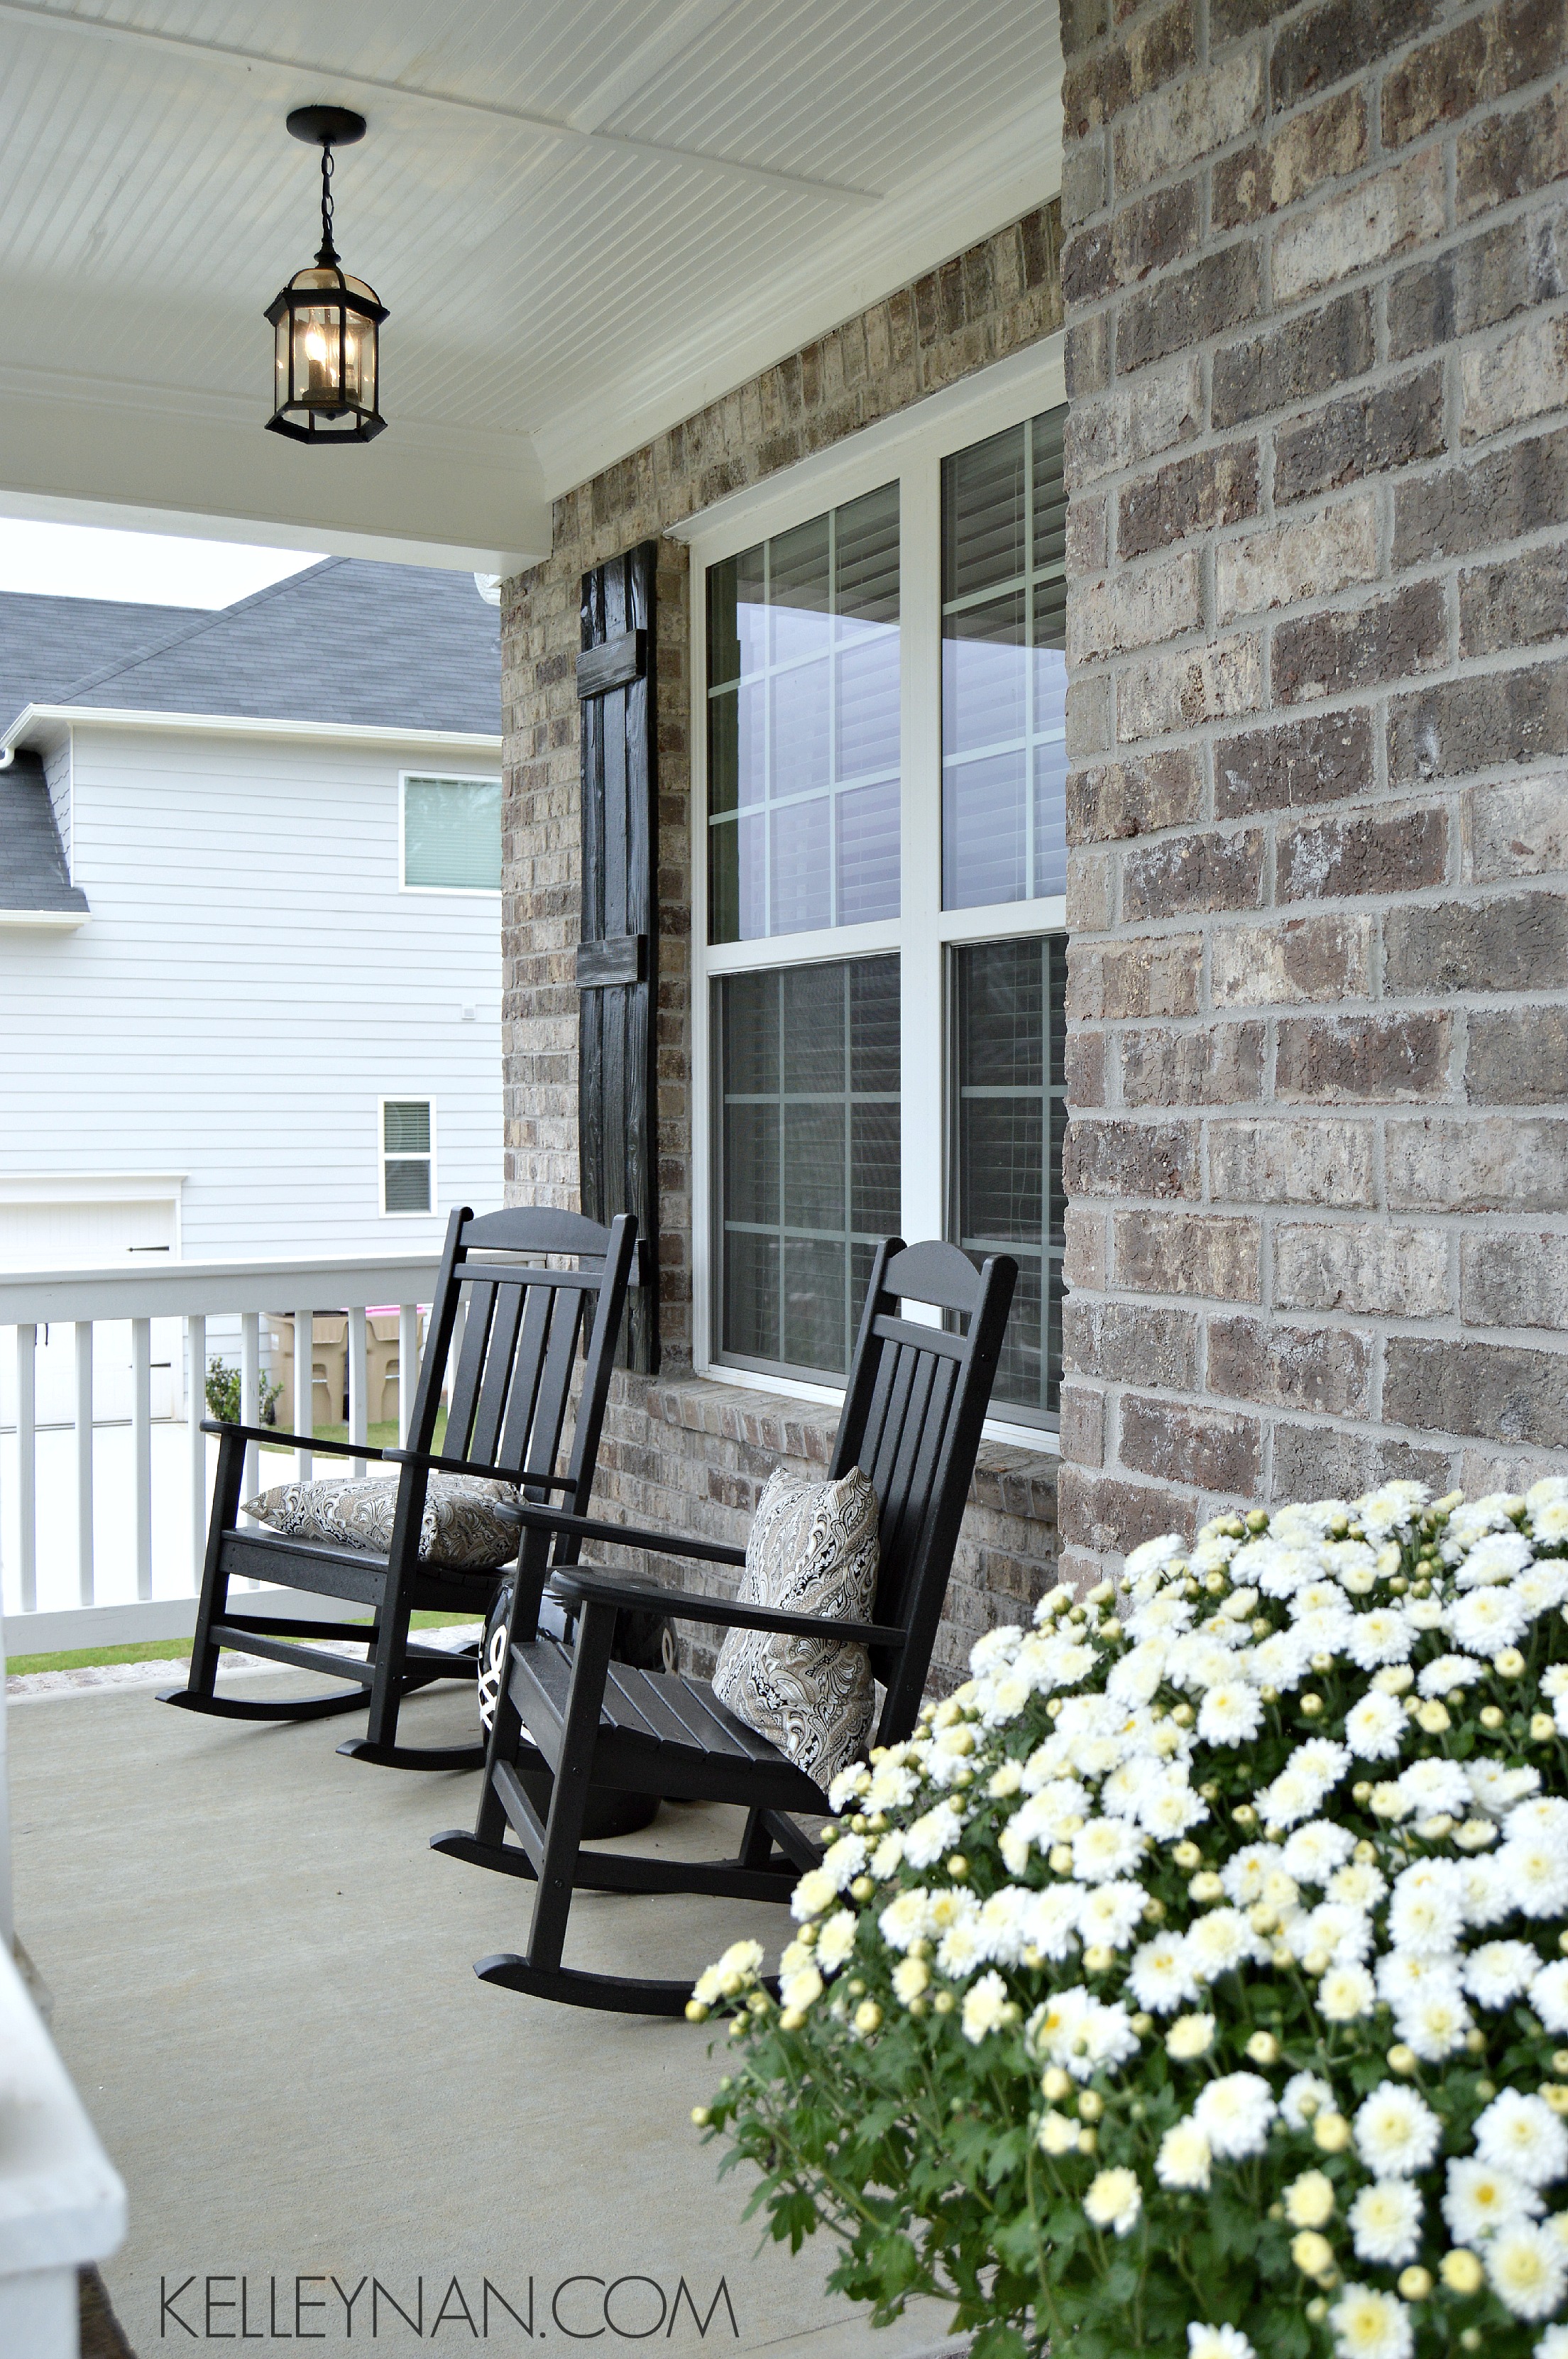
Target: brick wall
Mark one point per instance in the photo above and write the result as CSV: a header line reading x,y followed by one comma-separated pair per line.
x,y
683,1454
1316,264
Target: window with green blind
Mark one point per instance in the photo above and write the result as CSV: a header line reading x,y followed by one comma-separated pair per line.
x,y
406,1155
451,835
808,1118
1004,627
883,686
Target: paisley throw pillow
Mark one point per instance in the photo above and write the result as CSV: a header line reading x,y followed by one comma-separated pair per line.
x,y
813,1551
470,1520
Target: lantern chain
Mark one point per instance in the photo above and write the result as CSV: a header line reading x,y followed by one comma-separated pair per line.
x,y
328,256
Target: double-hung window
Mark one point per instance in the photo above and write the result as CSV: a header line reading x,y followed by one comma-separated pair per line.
x,y
407,1155
451,830
879,857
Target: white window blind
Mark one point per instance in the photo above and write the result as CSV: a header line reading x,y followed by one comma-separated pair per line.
x,y
451,835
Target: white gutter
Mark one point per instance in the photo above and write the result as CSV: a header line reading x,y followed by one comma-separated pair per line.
x,y
216,724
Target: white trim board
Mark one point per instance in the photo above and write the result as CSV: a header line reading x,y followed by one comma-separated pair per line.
x,y
219,724
75,1627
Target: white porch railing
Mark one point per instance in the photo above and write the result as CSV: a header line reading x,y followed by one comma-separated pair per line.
x,y
64,1414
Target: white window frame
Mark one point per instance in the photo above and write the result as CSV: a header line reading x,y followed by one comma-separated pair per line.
x,y
909,449
404,1097
439,778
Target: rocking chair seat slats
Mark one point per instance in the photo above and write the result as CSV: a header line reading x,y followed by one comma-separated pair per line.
x,y
912,1415
519,1326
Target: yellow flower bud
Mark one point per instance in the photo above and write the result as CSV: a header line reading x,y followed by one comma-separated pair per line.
x,y
1331,2133
1401,2059
1309,2200
1433,1717
1312,2254
862,1890
1183,1715
869,2016
944,2002
958,1868
1556,2095
1186,1855
1414,2284
1263,2047
1492,1716
791,2018
1205,1886
695,2011
1088,2141
1060,1859
1461,2271
1543,1728
1508,1664
1098,1957
1312,1706
1090,2105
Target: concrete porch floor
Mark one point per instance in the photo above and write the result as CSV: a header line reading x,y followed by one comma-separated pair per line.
x,y
262,1985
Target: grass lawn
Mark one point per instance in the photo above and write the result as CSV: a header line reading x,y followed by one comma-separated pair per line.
x,y
380,1436
177,1650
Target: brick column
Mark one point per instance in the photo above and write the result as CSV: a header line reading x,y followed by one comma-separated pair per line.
x,y
1315,265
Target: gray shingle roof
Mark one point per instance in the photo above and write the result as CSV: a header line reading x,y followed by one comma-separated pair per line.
x,y
32,864
47,643
397,646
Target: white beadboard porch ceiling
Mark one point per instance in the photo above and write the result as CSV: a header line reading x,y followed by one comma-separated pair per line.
x,y
586,221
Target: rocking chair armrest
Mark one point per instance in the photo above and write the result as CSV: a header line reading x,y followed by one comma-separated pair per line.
x,y
584,1585
590,1528
281,1440
467,1466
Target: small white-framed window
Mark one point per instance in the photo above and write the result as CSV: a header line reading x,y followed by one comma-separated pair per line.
x,y
407,1129
878,842
449,833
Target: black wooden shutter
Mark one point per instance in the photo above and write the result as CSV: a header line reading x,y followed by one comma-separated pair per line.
x,y
617,963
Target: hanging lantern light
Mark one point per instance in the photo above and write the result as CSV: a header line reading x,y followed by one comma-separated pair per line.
x,y
325,324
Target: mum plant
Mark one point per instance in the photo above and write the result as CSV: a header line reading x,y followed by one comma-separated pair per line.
x,y
1194,1979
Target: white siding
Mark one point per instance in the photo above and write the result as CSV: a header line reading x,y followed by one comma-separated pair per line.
x,y
251,983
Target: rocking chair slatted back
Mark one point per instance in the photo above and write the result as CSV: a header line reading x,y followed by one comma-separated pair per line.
x,y
912,1413
522,1325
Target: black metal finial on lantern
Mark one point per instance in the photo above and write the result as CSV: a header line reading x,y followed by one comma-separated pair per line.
x,y
325,324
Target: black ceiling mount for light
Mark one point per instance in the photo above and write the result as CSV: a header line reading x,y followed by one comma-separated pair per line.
x,y
325,324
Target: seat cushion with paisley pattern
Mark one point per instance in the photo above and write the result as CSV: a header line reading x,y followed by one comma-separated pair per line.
x,y
470,1520
813,1549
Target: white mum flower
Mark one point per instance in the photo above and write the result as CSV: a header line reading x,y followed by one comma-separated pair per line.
x,y
1217,2342
1481,2199
1108,2040
1397,2133
1448,1672
985,2008
888,1856
1522,2134
1426,1914
815,1891
1528,2270
994,1649
1315,1850
911,1979
1110,1914
1233,2114
800,1990
1243,1873
1375,1728
932,1835
1281,1661
1472,1518
836,1939
1384,2221
1185,2156
847,1784
1051,1925
1428,1787
1072,2029
1303,2097
1434,2023
1347,1992
1231,1712
1359,1886
962,1948
1498,1971
1486,1894
1189,2036
1384,1634
1220,1940
1158,1976
907,1919
1114,2200
1553,2344
1106,1848
1370,2325
1548,1994
1487,1620
1496,1789
1544,1586
893,1784
1532,1869
1152,1557
1003,1924
1340,1935
1168,1809
1392,1508
1056,1809
1499,1557
1402,1975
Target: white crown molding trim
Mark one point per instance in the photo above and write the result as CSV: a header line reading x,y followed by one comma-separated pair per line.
x,y
91,1187
43,922
38,718
1018,166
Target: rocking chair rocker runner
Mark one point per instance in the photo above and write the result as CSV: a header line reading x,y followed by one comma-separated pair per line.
x,y
912,1416
511,1390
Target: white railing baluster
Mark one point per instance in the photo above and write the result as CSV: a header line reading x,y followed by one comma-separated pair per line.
x,y
195,1410
408,1361
141,1449
304,1388
358,1381
250,1398
82,1333
27,1463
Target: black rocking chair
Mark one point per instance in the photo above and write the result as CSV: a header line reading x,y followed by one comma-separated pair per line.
x,y
912,1416
511,1392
